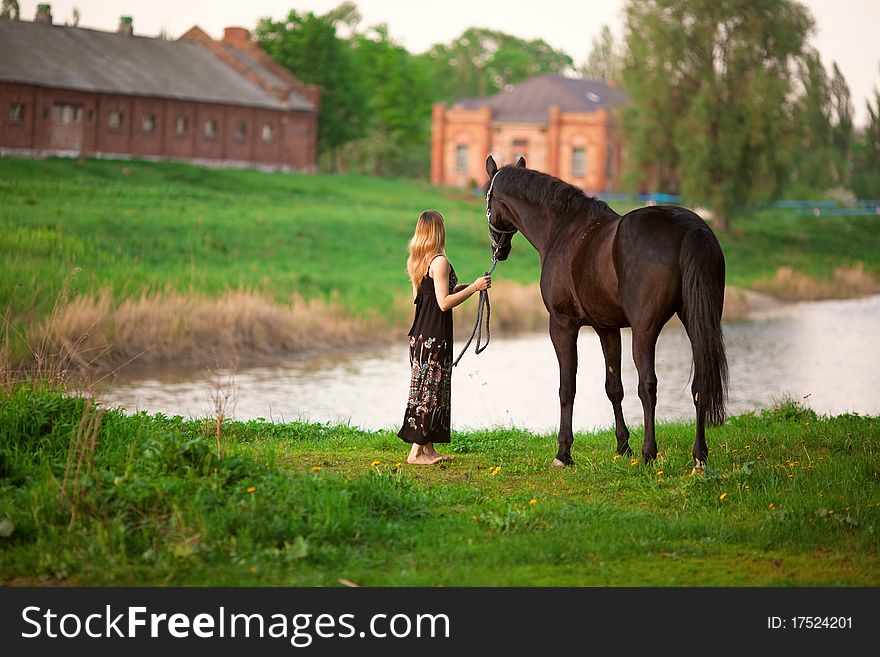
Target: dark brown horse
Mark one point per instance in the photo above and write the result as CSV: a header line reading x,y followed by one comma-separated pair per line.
x,y
608,271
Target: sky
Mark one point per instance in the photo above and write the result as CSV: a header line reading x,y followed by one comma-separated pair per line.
x,y
846,30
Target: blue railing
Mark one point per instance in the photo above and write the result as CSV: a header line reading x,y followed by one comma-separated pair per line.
x,y
817,208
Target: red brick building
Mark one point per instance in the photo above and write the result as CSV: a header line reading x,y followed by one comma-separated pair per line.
x,y
73,91
562,126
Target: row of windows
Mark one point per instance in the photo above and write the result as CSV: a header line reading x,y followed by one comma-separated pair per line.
x,y
67,113
578,158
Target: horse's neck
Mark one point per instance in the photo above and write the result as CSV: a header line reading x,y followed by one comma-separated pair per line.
x,y
543,227
535,223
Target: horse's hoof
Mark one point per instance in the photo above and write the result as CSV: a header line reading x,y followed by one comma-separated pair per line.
x,y
557,463
699,468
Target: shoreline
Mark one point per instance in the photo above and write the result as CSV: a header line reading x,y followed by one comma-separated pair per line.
x,y
243,329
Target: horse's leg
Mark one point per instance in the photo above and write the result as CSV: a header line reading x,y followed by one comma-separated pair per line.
x,y
564,335
643,347
610,340
701,449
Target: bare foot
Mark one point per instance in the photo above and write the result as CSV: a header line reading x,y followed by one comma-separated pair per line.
x,y
424,459
429,449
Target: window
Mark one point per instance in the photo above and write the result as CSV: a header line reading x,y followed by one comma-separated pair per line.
x,y
65,113
211,129
114,120
181,125
578,162
16,112
240,131
149,123
268,132
520,143
461,159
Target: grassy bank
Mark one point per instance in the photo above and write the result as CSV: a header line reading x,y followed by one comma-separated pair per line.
x,y
141,242
792,499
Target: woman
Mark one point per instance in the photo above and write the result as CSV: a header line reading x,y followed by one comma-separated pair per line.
x,y
437,292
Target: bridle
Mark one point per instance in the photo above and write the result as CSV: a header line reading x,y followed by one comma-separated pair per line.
x,y
484,294
494,230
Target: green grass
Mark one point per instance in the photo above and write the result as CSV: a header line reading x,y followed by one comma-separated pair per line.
x,y
139,226
791,499
144,227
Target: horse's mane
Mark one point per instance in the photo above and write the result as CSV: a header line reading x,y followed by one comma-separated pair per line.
x,y
548,191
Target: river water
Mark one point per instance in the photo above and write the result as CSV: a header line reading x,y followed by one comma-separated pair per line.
x,y
826,354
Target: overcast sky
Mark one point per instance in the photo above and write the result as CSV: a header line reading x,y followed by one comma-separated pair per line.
x,y
846,30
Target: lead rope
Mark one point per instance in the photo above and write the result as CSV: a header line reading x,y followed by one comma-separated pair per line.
x,y
484,294
478,325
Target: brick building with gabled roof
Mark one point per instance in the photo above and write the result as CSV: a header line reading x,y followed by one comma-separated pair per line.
x,y
563,126
74,91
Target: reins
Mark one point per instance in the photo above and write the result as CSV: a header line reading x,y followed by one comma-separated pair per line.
x,y
483,304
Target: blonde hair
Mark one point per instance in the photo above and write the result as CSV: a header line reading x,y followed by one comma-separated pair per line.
x,y
428,241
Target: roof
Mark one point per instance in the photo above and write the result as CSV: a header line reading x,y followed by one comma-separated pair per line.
x,y
294,100
530,101
107,62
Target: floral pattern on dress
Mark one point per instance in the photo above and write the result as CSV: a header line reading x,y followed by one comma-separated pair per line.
x,y
429,403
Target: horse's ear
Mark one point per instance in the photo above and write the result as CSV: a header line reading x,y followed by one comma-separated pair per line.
x,y
491,167
521,163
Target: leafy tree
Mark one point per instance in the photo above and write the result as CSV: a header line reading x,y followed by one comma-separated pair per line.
x,y
711,83
604,61
842,130
398,130
866,172
482,62
9,9
308,46
814,169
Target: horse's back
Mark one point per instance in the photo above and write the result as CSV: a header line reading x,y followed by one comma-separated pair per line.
x,y
647,257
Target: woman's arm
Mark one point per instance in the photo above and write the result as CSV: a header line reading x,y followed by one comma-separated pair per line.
x,y
440,273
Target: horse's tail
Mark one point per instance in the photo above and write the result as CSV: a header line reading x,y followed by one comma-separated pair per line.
x,y
702,291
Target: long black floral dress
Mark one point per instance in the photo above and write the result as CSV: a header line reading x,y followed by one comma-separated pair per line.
x,y
428,408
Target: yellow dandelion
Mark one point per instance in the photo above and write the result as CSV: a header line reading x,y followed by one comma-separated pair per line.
x,y
722,496
316,468
634,462
253,570
495,470
252,489
771,506
533,501
375,463
659,472
397,465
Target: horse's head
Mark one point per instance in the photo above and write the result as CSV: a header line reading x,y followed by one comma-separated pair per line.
x,y
501,228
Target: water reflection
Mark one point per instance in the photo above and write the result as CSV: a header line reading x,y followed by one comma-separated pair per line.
x,y
827,352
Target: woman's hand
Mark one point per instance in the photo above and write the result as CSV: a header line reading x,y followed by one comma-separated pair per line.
x,y
482,283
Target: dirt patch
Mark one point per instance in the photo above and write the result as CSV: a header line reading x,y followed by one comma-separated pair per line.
x,y
846,283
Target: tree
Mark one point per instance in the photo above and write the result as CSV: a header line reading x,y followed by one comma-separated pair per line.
x,y
604,60
398,131
9,9
814,169
482,62
711,83
842,130
866,172
310,49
